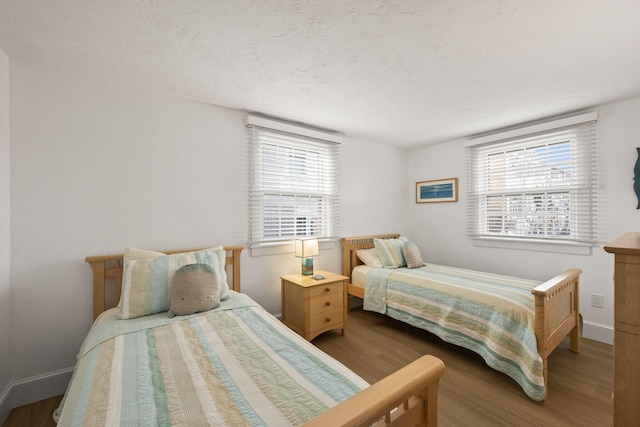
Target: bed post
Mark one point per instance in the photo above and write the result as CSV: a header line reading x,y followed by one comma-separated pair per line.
x,y
574,345
98,287
346,260
234,260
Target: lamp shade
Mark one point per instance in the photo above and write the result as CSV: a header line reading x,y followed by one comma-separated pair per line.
x,y
307,248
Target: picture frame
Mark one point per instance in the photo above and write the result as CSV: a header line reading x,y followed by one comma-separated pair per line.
x,y
437,191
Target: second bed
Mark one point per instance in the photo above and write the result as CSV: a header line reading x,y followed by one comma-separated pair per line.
x,y
513,323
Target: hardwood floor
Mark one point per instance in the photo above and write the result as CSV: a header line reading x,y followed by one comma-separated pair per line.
x,y
38,414
471,393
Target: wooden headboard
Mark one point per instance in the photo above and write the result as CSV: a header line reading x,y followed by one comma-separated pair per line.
x,y
351,244
107,269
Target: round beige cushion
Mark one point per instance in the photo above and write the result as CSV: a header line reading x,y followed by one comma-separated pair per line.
x,y
194,288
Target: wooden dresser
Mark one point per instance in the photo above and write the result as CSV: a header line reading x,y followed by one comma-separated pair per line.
x,y
311,307
626,345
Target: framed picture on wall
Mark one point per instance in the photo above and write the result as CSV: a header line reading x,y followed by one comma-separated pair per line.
x,y
441,190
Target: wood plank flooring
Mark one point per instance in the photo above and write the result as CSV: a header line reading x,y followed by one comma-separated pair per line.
x,y
38,414
471,393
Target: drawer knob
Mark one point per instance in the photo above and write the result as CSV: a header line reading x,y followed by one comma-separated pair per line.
x,y
327,320
328,303
327,290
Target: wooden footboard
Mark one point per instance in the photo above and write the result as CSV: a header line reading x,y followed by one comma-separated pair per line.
x,y
557,314
408,397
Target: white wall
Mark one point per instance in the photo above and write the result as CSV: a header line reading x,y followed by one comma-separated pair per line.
x,y
5,234
440,229
97,167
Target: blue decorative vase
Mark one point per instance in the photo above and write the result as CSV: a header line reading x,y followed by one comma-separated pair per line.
x,y
636,178
307,266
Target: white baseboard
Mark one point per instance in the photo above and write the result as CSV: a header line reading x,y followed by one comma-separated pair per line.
x,y
4,407
23,392
598,332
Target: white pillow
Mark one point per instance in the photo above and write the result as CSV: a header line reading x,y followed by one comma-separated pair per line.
x,y
369,257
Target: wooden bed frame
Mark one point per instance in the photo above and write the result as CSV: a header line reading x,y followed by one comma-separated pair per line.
x,y
556,300
408,397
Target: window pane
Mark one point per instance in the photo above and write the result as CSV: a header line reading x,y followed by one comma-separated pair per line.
x,y
289,216
529,167
535,214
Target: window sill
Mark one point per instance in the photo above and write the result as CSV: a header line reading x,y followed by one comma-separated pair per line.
x,y
284,247
528,245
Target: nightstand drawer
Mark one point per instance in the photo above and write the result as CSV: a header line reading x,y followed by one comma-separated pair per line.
x,y
326,302
326,319
325,289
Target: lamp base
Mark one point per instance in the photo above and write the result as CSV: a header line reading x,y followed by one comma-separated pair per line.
x,y
307,266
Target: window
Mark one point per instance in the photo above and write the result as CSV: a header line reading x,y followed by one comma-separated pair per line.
x,y
535,184
294,182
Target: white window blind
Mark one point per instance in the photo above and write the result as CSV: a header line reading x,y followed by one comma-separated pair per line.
x,y
536,183
295,183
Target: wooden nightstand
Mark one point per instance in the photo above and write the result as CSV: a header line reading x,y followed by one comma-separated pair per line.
x,y
311,307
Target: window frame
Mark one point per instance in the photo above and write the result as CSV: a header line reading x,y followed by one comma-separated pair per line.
x,y
580,186
293,169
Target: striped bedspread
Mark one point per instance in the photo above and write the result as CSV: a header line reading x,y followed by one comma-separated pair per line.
x,y
490,314
235,365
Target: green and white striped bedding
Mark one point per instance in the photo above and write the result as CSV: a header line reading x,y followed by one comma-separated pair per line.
x,y
492,315
234,365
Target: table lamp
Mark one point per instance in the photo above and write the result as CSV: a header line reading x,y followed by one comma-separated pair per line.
x,y
307,249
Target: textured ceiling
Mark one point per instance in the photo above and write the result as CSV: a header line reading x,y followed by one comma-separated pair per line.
x,y
402,72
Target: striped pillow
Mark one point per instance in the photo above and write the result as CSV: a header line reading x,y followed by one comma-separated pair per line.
x,y
138,254
390,252
145,282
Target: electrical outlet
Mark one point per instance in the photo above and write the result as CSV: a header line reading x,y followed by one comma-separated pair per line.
x,y
597,300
